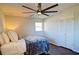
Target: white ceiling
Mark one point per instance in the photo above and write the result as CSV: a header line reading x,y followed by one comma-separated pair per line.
x,y
16,9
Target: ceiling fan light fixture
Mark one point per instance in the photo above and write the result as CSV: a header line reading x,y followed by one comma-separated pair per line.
x,y
39,13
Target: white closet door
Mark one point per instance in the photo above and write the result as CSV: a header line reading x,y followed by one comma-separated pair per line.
x,y
62,33
69,32
76,31
55,31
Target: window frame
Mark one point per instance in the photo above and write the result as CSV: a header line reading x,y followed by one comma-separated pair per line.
x,y
41,27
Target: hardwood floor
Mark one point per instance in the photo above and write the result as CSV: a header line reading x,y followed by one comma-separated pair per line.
x,y
57,50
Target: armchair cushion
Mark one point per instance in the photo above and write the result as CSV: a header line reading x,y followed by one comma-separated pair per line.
x,y
5,38
13,36
1,40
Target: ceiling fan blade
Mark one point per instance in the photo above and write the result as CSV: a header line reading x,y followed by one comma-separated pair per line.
x,y
28,8
45,14
50,11
29,12
39,6
50,7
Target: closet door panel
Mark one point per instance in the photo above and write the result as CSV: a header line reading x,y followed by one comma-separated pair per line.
x,y
62,33
69,32
76,31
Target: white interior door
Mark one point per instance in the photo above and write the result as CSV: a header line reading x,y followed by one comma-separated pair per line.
x,y
76,31
62,33
69,32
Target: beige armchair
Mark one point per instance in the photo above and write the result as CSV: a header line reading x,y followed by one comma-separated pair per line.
x,y
15,46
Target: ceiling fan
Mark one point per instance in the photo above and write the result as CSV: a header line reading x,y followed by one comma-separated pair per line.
x,y
40,11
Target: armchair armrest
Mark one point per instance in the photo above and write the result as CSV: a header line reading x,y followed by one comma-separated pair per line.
x,y
17,47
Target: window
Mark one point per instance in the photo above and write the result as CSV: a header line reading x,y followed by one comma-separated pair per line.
x,y
38,26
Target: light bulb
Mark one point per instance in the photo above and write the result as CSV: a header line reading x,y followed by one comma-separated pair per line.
x,y
39,13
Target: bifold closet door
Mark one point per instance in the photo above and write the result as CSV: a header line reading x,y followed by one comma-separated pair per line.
x,y
69,32
76,31
62,32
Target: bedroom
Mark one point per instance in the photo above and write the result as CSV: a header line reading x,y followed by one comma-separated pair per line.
x,y
60,28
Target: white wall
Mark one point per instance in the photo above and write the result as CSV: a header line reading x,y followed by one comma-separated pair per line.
x,y
63,28
2,26
23,26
